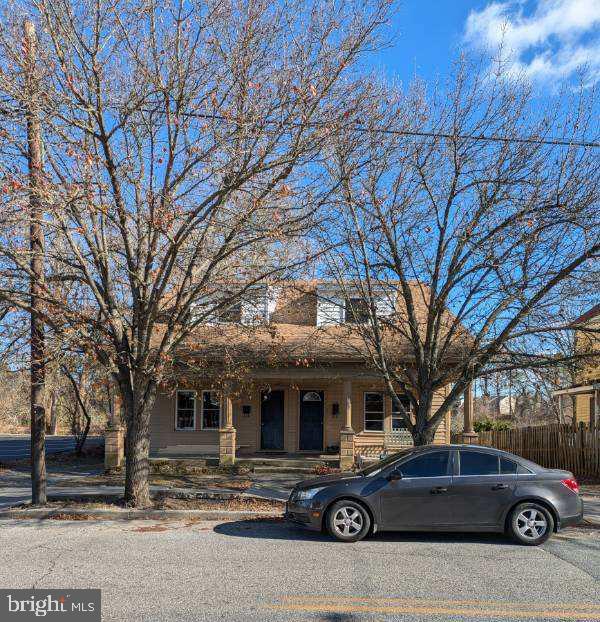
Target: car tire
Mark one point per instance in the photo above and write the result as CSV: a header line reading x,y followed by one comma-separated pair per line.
x,y
348,521
530,524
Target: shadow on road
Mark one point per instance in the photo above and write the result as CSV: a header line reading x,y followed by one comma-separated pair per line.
x,y
274,529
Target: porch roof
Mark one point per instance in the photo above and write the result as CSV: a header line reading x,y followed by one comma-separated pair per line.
x,y
292,344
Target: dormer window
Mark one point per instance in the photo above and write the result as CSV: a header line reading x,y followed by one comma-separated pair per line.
x,y
253,306
336,306
232,314
356,311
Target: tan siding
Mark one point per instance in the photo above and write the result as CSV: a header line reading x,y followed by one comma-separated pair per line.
x,y
163,433
247,425
582,408
442,433
162,426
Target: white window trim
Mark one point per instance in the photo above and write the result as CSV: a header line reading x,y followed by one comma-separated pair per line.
x,y
177,428
365,393
202,427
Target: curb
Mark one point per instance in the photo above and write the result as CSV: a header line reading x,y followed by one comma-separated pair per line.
x,y
40,513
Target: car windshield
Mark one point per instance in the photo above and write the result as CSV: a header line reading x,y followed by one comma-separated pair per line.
x,y
374,469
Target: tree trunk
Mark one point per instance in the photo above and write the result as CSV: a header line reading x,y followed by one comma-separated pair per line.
x,y
423,432
137,448
81,439
52,419
36,242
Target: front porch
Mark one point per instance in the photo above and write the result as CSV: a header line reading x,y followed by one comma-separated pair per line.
x,y
332,416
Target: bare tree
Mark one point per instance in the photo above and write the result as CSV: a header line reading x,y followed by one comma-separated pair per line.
x,y
183,152
476,215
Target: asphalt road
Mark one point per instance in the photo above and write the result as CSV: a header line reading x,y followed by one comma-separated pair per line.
x,y
17,446
267,571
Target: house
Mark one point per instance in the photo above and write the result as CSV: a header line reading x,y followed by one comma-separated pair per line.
x,y
585,392
282,373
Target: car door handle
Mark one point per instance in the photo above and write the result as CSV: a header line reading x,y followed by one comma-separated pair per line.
x,y
500,487
438,490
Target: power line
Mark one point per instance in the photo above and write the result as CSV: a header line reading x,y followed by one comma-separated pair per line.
x,y
430,134
556,142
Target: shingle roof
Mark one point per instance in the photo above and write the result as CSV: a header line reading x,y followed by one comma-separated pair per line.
x,y
292,336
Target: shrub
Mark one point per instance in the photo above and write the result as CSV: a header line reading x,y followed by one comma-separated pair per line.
x,y
487,425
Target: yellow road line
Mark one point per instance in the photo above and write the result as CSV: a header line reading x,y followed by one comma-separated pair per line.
x,y
588,616
595,608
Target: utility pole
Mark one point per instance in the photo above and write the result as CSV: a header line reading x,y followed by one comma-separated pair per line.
x,y
36,245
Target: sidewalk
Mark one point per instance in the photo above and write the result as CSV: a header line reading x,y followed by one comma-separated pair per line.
x,y
15,487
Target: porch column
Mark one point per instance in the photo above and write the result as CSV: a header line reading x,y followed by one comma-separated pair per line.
x,y
227,434
469,436
114,438
347,433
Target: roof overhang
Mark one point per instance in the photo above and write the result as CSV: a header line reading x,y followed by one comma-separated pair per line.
x,y
588,388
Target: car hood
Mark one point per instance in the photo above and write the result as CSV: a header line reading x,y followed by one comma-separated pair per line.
x,y
327,480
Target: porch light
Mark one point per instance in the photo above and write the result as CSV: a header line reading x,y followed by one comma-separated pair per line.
x,y
335,409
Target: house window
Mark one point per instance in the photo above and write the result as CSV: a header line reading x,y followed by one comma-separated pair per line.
x,y
233,313
357,311
211,410
374,411
400,405
185,417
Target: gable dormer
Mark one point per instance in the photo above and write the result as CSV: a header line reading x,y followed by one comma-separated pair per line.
x,y
345,305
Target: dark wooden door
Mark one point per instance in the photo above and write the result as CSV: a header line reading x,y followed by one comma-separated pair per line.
x,y
271,421
311,421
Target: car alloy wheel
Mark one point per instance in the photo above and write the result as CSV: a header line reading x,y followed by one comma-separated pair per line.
x,y
531,524
348,521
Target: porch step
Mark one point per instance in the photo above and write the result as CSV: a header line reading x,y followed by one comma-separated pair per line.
x,y
303,464
288,470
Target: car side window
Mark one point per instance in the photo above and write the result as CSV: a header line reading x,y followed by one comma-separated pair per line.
x,y
508,467
478,463
431,464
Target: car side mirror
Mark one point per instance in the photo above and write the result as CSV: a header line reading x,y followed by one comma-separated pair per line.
x,y
394,475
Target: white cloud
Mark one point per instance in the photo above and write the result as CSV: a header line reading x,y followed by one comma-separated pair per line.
x,y
550,41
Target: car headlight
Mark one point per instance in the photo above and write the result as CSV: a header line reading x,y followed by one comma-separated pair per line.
x,y
309,493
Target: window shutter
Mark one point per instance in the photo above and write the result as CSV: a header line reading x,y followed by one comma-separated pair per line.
x,y
330,311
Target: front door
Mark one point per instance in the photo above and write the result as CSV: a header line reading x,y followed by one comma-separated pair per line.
x,y
271,420
421,499
311,421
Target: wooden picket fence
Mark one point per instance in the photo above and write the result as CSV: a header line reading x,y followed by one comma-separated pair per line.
x,y
556,446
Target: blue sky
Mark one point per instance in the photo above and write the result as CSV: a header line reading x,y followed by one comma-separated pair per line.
x,y
546,40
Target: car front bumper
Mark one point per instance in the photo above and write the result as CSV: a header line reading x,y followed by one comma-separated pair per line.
x,y
304,515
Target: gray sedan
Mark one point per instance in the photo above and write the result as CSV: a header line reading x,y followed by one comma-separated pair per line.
x,y
441,488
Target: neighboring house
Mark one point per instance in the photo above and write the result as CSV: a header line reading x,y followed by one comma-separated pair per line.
x,y
585,392
282,372
501,407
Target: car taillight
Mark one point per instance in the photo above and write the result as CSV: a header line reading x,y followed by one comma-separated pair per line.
x,y
571,484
